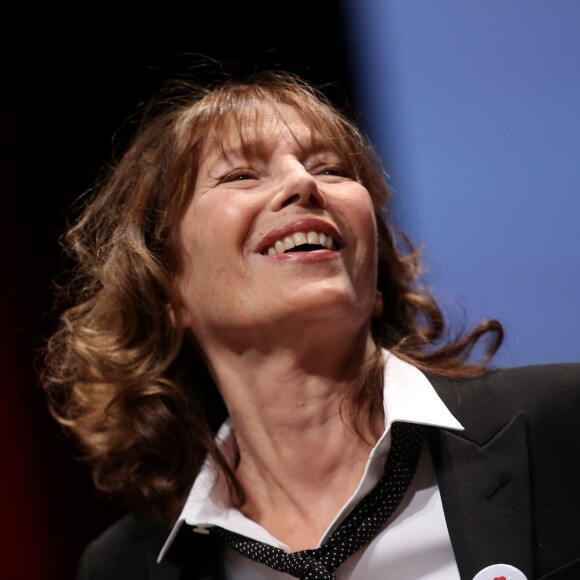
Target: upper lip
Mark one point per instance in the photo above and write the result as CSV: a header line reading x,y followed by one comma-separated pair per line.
x,y
299,225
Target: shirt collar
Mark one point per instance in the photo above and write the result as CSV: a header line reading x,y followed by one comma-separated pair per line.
x,y
408,396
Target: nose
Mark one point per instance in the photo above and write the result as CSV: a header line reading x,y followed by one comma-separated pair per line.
x,y
297,186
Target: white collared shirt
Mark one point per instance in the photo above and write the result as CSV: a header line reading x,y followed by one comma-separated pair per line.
x,y
414,544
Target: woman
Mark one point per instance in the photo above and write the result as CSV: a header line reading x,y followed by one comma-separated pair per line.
x,y
236,263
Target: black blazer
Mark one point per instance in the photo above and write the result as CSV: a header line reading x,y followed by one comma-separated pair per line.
x,y
509,483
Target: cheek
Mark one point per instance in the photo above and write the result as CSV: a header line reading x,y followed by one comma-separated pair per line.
x,y
359,215
366,212
359,201
219,223
211,240
194,250
201,235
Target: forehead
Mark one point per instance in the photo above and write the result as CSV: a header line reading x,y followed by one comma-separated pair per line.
x,y
258,130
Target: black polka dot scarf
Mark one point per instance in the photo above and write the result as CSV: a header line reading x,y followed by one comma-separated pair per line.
x,y
357,529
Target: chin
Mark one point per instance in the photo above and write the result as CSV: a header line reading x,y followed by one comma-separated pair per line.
x,y
329,305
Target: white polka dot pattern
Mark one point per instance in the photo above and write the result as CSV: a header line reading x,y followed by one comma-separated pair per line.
x,y
358,528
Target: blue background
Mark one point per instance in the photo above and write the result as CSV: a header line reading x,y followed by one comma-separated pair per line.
x,y
475,109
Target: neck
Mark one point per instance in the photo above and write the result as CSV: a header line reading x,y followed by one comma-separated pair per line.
x,y
300,457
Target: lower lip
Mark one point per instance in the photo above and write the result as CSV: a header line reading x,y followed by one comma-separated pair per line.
x,y
314,256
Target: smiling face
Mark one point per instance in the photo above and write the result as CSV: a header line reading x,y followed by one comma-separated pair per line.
x,y
276,232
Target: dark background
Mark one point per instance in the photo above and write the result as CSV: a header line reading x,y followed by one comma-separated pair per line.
x,y
70,81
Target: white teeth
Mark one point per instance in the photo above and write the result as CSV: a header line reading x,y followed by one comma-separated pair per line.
x,y
299,239
313,238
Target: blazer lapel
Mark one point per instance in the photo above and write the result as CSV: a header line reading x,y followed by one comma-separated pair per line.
x,y
483,479
191,557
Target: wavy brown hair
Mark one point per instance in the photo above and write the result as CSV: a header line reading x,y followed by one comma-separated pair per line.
x,y
118,371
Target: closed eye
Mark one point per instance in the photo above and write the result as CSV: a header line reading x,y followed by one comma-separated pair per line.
x,y
335,171
241,174
332,171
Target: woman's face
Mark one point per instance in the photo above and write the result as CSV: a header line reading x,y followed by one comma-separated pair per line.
x,y
276,234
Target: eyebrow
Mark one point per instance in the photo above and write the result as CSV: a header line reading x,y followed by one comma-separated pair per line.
x,y
251,147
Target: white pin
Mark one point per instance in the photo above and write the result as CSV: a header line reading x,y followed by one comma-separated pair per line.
x,y
200,530
500,572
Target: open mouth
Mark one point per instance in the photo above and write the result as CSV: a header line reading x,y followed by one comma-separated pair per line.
x,y
301,242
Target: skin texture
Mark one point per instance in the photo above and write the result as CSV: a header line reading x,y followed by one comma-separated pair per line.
x,y
283,335
240,203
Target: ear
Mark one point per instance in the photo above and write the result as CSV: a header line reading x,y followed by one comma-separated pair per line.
x,y
378,305
171,315
182,318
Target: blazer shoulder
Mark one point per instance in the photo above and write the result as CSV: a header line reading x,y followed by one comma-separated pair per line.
x,y
536,386
521,383
125,550
557,375
548,395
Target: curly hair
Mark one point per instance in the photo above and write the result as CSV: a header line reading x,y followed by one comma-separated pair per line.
x,y
117,370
